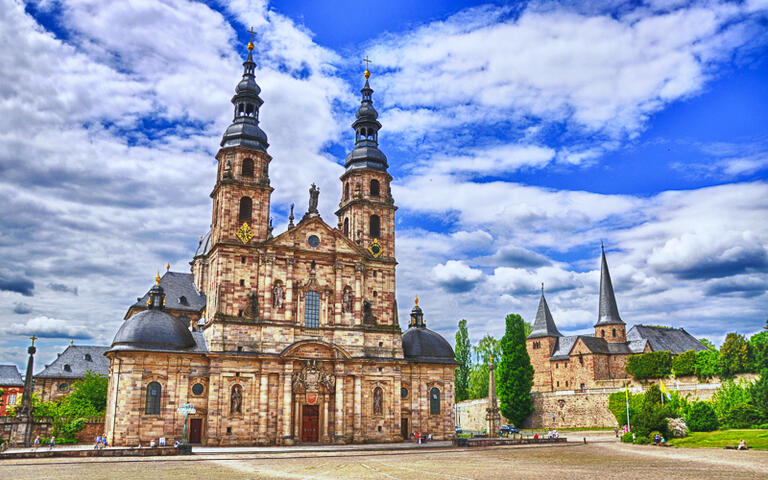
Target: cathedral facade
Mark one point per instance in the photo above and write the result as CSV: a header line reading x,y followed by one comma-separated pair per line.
x,y
282,338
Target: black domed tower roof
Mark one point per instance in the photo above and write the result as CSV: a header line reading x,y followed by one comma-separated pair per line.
x,y
424,345
153,329
366,153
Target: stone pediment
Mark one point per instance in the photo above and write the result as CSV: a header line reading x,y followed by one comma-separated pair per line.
x,y
329,240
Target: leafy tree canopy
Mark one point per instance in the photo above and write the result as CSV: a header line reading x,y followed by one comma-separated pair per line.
x,y
515,373
463,357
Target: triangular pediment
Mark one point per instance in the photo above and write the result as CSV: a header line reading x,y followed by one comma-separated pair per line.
x,y
329,239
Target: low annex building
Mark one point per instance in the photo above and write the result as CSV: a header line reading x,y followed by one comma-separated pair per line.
x,y
56,379
12,386
282,338
580,362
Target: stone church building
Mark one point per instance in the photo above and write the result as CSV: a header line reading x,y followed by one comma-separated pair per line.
x,y
282,338
582,362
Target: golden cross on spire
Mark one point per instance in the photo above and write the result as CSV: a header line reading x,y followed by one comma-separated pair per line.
x,y
367,61
250,43
33,338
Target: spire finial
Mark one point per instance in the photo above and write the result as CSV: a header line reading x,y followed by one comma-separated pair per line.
x,y
168,267
542,288
416,300
157,279
367,72
602,246
33,338
250,43
72,341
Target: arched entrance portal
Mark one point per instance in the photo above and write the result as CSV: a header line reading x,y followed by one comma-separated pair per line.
x,y
313,396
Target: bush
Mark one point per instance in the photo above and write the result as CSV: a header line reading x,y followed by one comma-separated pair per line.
x,y
650,365
742,415
761,427
707,364
617,404
643,441
727,397
701,417
677,427
627,437
683,364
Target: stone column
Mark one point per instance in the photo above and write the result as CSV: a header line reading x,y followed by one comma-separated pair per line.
x,y
324,431
396,409
287,396
358,433
339,428
288,305
266,293
263,407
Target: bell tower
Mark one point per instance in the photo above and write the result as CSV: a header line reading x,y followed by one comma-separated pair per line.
x,y
241,199
367,210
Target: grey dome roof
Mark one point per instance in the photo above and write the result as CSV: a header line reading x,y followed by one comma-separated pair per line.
x,y
366,156
153,330
244,134
420,343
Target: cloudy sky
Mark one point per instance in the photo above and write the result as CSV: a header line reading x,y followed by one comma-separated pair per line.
x,y
520,136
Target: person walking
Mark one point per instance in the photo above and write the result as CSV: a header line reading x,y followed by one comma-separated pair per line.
x,y
53,442
104,440
36,443
97,442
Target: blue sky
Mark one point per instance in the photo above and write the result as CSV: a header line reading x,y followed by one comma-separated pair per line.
x,y
520,136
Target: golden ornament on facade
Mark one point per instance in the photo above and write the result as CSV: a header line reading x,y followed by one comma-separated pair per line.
x,y
245,234
375,248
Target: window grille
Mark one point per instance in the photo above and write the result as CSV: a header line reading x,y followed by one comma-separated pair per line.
x,y
312,310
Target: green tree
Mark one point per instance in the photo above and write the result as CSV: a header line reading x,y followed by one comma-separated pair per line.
x,y
701,417
463,354
617,404
478,381
515,372
88,397
683,364
486,348
650,365
528,328
758,352
707,343
707,364
734,355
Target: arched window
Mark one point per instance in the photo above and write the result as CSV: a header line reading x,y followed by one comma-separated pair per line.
x,y
312,310
154,393
246,207
614,332
375,226
602,333
88,357
581,359
434,401
247,170
346,227
374,188
346,191
378,398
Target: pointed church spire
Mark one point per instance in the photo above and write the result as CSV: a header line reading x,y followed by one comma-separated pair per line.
x,y
609,312
544,325
366,153
244,130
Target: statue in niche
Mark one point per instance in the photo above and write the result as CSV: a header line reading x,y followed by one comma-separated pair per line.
x,y
278,294
228,168
253,304
236,400
346,300
377,407
314,193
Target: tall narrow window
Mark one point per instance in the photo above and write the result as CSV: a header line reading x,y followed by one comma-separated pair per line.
x,y
247,170
346,192
154,392
346,227
374,188
378,395
246,207
312,310
614,332
375,226
434,401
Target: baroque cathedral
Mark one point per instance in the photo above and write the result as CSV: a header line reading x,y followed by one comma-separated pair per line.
x,y
282,338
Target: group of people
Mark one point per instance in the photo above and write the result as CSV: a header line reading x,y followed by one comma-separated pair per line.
x,y
36,443
101,441
422,437
659,440
553,433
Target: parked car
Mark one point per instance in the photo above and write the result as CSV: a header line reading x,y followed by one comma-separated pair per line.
x,y
507,429
459,430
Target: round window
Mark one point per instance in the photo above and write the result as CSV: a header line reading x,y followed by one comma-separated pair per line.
x,y
313,241
403,392
198,389
63,387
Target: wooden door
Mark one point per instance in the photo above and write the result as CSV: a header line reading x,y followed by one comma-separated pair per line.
x,y
195,430
310,422
404,428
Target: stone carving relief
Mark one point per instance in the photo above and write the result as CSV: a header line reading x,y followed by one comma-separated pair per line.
x,y
278,295
347,300
236,400
311,377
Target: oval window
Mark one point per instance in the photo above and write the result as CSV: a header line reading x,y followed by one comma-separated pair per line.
x,y
63,387
313,241
198,389
403,392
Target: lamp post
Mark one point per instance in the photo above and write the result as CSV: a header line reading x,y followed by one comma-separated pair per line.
x,y
186,409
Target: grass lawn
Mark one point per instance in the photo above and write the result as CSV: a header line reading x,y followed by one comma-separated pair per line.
x,y
757,439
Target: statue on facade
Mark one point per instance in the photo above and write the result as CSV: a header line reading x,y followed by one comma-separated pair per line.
x,y
346,300
314,193
377,404
278,294
228,168
253,304
236,400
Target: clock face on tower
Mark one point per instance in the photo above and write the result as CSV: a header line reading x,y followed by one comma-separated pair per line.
x,y
375,248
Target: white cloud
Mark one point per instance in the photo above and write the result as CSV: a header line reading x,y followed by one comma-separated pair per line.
x,y
46,327
456,277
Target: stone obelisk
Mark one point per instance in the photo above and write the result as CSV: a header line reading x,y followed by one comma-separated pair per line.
x,y
492,412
